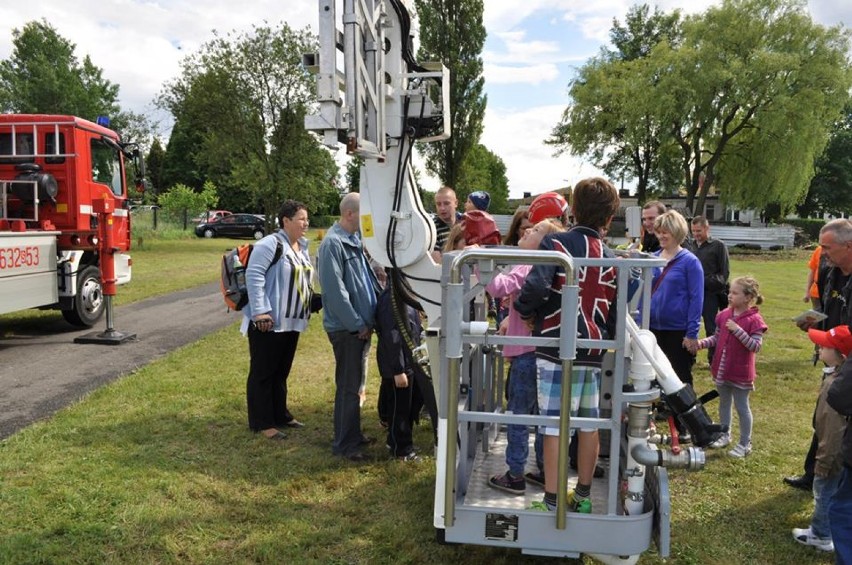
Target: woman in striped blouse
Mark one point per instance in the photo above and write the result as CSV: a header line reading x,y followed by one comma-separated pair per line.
x,y
278,310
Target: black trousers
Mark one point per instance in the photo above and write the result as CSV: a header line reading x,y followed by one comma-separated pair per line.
x,y
271,357
711,308
671,343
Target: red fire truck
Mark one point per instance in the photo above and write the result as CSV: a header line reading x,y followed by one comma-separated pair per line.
x,y
53,171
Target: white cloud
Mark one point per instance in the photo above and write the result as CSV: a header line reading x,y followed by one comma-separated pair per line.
x,y
139,43
517,136
528,74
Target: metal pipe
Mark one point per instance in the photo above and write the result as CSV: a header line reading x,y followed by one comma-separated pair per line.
x,y
691,458
452,443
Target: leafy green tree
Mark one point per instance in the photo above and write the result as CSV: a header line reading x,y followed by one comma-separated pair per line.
x,y
751,96
611,118
239,109
182,200
43,75
831,188
451,31
154,166
353,173
484,170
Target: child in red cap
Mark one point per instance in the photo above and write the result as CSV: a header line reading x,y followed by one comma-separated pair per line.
x,y
834,346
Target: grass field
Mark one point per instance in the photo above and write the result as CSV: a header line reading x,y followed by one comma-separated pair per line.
x,y
159,467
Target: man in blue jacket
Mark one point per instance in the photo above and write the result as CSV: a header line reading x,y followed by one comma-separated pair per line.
x,y
349,290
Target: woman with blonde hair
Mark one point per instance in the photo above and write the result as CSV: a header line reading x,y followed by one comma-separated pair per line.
x,y
677,298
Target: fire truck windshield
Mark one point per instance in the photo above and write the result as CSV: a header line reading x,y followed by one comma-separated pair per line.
x,y
106,166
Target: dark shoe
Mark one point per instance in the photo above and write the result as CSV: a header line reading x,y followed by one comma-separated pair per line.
x,y
411,457
507,483
277,436
356,457
536,478
685,438
802,482
294,423
367,440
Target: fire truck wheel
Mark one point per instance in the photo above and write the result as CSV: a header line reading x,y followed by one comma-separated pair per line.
x,y
89,302
208,233
258,234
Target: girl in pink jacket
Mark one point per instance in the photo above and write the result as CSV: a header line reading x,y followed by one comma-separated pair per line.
x,y
738,338
522,373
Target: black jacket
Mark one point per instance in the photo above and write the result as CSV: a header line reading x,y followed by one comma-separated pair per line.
x,y
840,398
714,260
392,353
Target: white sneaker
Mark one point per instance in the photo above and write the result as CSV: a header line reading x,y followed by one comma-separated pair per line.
x,y
723,441
806,537
739,451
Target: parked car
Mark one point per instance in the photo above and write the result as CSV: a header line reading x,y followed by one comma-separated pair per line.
x,y
234,225
211,216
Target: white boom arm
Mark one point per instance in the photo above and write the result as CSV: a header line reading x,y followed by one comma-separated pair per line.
x,y
390,101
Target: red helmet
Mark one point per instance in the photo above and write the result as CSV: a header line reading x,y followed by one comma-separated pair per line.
x,y
548,205
479,227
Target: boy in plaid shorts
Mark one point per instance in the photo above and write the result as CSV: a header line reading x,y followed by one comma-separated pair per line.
x,y
595,202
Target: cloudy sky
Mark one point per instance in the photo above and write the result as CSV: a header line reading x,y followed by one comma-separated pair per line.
x,y
532,51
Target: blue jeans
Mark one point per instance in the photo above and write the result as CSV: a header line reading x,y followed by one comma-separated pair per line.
x,y
523,399
840,514
824,489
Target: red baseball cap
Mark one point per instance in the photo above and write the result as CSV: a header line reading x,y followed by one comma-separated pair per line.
x,y
839,338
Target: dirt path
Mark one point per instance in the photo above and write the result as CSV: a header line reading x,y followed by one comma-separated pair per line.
x,y
42,371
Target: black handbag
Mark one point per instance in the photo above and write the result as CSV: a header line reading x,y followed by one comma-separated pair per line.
x,y
316,302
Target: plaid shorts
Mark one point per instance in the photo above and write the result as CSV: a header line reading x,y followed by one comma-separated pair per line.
x,y
585,392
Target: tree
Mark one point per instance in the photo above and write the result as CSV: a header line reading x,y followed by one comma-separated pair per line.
x,y
182,201
451,31
610,118
154,166
353,173
831,188
750,96
239,110
44,76
484,170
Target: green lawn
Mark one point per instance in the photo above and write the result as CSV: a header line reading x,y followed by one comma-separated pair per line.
x,y
159,467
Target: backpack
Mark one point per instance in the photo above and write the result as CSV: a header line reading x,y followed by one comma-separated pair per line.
x,y
233,279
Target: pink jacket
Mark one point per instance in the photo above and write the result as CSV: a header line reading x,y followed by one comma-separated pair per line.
x,y
508,284
733,362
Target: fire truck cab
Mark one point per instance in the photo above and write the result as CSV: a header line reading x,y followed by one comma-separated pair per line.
x,y
53,168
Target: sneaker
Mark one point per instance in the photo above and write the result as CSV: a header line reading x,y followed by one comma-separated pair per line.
x,y
739,451
410,457
723,441
507,483
685,437
536,478
539,506
582,505
805,536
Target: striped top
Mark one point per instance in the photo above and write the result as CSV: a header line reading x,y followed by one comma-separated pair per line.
x,y
282,290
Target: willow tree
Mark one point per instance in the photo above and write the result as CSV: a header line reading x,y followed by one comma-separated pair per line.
x,y
612,118
751,96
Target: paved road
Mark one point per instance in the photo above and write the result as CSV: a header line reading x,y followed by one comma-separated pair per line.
x,y
43,370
